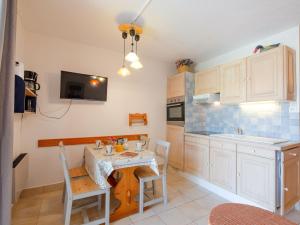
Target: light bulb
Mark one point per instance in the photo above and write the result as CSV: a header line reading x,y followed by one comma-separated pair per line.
x,y
136,65
123,71
131,57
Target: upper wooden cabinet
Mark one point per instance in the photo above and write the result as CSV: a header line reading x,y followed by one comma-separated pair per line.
x,y
271,75
233,82
207,82
176,85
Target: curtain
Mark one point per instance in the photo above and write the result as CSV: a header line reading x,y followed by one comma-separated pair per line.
x,y
7,57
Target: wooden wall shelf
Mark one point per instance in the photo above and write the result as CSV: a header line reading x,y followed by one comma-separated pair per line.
x,y
86,140
29,92
138,118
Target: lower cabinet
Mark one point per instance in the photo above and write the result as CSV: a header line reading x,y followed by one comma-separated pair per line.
x,y
175,135
197,159
223,168
291,178
256,179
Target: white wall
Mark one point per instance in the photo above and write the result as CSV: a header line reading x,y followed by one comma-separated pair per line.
x,y
17,116
289,37
143,91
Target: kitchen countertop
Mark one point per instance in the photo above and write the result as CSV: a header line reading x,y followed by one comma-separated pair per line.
x,y
277,147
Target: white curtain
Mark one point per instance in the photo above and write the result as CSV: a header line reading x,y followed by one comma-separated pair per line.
x,y
7,60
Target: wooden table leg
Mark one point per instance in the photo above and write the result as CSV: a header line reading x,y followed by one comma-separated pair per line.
x,y
125,191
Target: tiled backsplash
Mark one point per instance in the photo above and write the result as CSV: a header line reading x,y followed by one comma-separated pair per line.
x,y
269,119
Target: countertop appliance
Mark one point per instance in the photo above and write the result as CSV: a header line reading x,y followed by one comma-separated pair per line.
x,y
175,111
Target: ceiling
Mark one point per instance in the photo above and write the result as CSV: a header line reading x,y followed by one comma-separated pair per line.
x,y
199,29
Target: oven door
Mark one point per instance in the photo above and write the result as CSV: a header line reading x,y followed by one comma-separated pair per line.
x,y
175,112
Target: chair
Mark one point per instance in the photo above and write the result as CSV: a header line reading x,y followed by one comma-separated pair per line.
x,y
74,172
81,188
145,141
145,175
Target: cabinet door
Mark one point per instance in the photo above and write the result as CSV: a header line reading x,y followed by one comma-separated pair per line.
x,y
291,182
176,85
256,179
207,82
175,135
265,78
233,82
197,159
223,168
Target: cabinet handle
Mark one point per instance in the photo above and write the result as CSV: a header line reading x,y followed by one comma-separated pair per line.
x,y
285,189
293,154
239,174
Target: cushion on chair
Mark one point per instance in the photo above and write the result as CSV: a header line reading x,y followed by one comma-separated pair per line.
x,y
78,172
83,185
144,171
240,214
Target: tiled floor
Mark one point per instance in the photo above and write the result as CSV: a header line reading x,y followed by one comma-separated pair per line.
x,y
189,204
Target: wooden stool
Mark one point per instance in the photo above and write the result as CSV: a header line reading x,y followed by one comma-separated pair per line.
x,y
239,214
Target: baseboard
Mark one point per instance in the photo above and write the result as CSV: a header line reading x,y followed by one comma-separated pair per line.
x,y
218,191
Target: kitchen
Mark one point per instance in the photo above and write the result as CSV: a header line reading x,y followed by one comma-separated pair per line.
x,y
217,134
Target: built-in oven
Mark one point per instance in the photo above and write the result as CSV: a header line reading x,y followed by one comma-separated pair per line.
x,y
175,111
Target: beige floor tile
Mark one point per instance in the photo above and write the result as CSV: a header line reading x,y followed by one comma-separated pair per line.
x,y
153,220
183,185
210,201
193,211
124,221
195,192
202,221
174,217
147,213
294,216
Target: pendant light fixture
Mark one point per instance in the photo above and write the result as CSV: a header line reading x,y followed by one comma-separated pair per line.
x,y
132,56
123,71
136,64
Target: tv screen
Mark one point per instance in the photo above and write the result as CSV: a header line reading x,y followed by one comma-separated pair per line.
x,y
82,86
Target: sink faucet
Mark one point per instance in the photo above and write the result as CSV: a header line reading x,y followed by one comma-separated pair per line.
x,y
239,131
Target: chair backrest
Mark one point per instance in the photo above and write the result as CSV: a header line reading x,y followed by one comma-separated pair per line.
x,y
65,168
145,141
162,152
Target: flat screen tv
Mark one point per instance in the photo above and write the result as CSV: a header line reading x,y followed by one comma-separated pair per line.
x,y
83,86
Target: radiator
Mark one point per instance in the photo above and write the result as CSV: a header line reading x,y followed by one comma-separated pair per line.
x,y
20,175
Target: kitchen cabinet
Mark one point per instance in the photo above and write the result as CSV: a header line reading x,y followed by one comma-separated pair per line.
x,y
290,179
207,82
256,179
233,82
223,165
197,156
175,135
176,85
271,75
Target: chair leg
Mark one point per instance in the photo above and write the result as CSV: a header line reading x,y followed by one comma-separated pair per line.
x,y
141,202
99,203
64,193
153,188
165,194
107,207
68,210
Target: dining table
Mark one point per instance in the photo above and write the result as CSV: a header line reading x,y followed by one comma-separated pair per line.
x,y
118,169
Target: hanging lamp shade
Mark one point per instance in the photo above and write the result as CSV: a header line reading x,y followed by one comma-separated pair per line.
x,y
123,71
136,65
132,57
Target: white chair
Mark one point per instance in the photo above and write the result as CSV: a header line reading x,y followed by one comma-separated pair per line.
x,y
80,188
145,175
74,172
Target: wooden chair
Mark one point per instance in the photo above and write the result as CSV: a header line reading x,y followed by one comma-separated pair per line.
x,y
81,188
74,172
145,175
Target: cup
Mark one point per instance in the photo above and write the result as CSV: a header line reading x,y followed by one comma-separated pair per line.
x,y
108,149
138,146
98,144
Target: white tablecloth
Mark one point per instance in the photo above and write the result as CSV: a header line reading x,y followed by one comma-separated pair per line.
x,y
99,166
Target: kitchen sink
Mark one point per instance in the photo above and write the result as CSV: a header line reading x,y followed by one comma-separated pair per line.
x,y
249,138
